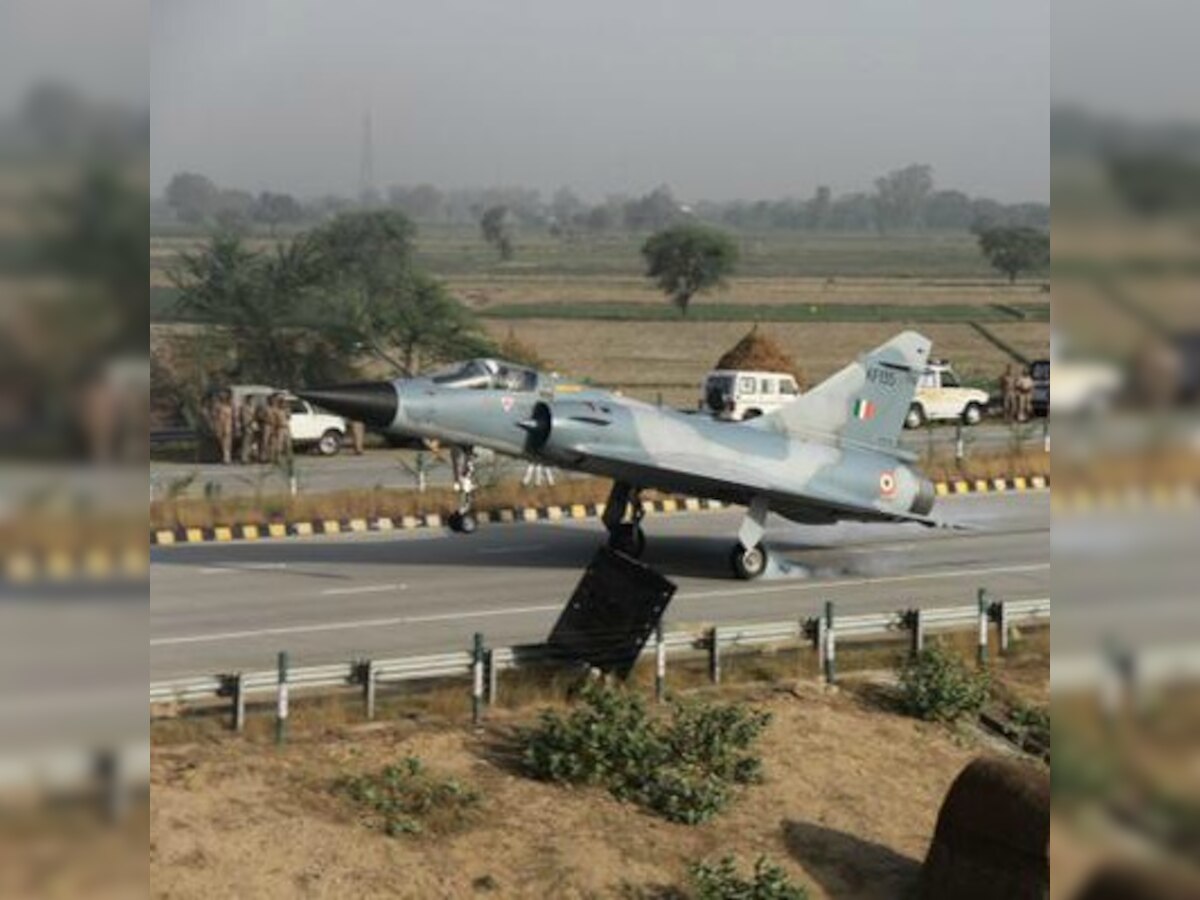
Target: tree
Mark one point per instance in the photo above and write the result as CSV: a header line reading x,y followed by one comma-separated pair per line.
x,y
900,196
819,208
948,210
1015,250
688,259
654,211
275,209
496,226
371,296
193,197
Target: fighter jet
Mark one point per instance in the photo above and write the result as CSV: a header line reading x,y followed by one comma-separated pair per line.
x,y
831,455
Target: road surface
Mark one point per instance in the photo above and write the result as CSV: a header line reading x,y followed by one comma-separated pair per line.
x,y
228,607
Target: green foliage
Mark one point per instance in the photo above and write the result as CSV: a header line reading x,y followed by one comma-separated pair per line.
x,y
1015,250
1034,721
721,880
688,259
683,768
775,312
408,799
938,686
496,227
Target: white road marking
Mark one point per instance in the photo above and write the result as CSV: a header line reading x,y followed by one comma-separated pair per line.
x,y
364,589
344,626
554,607
855,582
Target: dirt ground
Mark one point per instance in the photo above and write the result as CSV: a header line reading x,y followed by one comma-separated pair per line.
x,y
849,804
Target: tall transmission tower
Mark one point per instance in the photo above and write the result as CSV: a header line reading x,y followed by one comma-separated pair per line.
x,y
366,165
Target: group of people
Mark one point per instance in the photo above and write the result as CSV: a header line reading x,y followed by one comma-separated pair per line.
x,y
1017,391
260,429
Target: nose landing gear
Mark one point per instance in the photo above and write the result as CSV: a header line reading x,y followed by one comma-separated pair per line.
x,y
463,519
749,556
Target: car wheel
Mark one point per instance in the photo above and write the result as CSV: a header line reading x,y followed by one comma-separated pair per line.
x,y
330,443
973,414
915,417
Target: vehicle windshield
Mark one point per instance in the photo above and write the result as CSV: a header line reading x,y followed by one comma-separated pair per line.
x,y
949,379
485,374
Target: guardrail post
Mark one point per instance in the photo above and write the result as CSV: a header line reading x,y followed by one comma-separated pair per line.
x,y
714,656
1001,611
829,645
367,671
281,700
477,680
916,621
112,787
983,626
239,703
660,663
493,677
959,447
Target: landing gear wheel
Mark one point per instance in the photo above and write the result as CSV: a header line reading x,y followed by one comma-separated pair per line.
x,y
973,414
749,563
628,539
463,522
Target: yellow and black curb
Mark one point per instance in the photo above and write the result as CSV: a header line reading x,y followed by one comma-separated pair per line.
x,y
106,565
166,537
1089,499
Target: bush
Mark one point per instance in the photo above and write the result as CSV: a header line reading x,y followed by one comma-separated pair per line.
x,y
938,686
683,768
407,799
722,881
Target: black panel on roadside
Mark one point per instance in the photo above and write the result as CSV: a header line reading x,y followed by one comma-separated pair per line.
x,y
611,614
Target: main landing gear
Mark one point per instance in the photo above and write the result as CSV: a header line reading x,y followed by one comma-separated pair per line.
x,y
749,555
625,537
462,461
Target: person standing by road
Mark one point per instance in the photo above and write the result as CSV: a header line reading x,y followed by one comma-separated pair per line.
x,y
358,433
265,420
1024,396
1008,391
283,429
223,425
247,431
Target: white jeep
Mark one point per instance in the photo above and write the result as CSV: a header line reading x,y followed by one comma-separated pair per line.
x,y
738,395
311,427
941,397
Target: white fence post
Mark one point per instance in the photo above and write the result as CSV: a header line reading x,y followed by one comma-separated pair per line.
x,y
829,650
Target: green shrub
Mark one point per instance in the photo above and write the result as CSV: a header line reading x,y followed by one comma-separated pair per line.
x,y
683,768
722,881
938,686
408,799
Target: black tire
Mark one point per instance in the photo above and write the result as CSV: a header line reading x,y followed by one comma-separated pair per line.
x,y
751,414
749,564
915,417
467,523
330,443
973,414
628,539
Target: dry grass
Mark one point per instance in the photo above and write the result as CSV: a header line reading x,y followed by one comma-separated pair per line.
x,y
851,795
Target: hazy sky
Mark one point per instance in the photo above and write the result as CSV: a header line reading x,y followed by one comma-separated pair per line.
x,y
719,99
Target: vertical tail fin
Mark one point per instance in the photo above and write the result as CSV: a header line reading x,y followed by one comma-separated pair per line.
x,y
865,403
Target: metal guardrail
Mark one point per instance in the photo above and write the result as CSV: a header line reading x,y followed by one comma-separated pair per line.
x,y
822,631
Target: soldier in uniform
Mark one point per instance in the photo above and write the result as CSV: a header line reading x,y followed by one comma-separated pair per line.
x,y
358,433
1008,391
1024,396
266,431
283,429
248,427
223,425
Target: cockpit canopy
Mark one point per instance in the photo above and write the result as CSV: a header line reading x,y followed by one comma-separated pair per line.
x,y
486,375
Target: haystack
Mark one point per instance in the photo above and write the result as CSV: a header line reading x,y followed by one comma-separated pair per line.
x,y
993,835
757,351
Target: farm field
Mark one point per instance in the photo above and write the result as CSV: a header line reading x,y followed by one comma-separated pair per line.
x,y
586,308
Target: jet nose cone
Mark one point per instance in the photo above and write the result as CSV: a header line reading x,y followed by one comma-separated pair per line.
x,y
374,403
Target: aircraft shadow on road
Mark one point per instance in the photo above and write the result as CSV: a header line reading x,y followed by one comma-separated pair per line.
x,y
687,556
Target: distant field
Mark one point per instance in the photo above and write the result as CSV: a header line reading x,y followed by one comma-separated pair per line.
x,y
777,312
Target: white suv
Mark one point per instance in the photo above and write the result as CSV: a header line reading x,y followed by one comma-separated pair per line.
x,y
942,398
311,427
738,395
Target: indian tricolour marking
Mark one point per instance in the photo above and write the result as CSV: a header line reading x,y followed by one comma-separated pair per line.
x,y
864,409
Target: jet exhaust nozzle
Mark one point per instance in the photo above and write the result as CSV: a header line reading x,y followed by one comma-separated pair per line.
x,y
374,403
